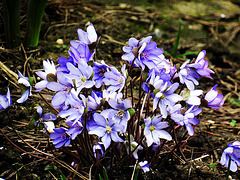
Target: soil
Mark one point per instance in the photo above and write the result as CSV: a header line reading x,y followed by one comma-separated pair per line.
x,y
209,24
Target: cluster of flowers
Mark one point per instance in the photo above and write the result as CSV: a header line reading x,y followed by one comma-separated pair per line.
x,y
91,96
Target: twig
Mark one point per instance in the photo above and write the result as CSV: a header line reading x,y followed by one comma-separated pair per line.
x,y
12,75
214,134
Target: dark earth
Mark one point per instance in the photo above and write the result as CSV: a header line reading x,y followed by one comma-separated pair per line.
x,y
213,25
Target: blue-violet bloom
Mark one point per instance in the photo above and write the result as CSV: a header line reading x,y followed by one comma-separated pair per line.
x,y
233,150
144,165
214,99
106,128
48,75
60,137
28,87
5,101
153,130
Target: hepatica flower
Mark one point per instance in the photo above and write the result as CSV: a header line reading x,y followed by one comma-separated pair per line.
x,y
80,53
191,97
99,71
62,61
134,144
201,65
98,150
120,111
80,76
88,37
27,82
131,52
214,99
186,119
114,79
75,128
60,137
233,150
106,129
64,90
94,100
166,97
48,75
5,101
75,112
46,119
144,165
148,55
187,75
153,130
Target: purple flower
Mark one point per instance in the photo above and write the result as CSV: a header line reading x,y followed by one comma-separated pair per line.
x,y
145,166
165,97
153,130
74,114
80,53
28,87
64,89
131,52
142,52
233,150
148,55
188,118
157,79
94,100
60,137
106,129
75,129
111,95
80,76
120,112
45,119
114,79
62,61
191,96
98,150
214,99
49,75
88,37
99,71
5,101
187,76
202,65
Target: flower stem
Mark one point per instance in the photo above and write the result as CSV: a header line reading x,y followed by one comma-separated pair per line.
x,y
228,169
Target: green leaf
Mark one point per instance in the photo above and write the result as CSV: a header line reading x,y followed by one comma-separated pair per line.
x,y
31,80
233,123
100,177
131,111
136,173
41,126
32,123
35,11
186,54
167,53
63,177
49,167
212,164
105,175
